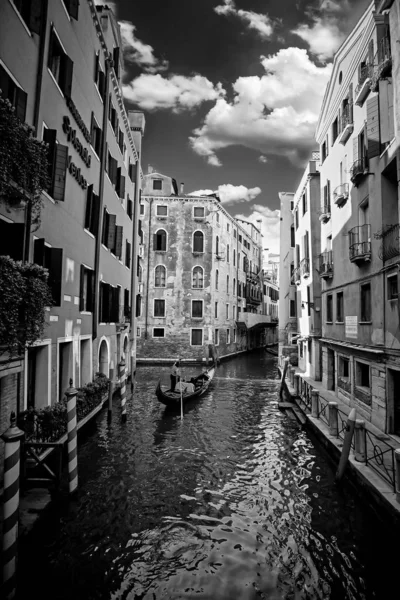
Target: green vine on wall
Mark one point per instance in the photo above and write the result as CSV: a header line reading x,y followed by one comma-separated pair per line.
x,y
24,167
25,294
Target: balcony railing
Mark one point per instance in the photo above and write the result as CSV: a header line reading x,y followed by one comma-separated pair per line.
x,y
325,267
346,123
390,237
341,194
364,84
358,169
296,275
325,213
305,267
382,62
360,243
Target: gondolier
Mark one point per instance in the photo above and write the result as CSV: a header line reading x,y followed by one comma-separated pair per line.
x,y
175,374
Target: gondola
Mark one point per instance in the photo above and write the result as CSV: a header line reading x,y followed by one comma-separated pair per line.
x,y
173,399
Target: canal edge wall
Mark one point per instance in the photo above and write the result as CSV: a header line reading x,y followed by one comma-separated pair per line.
x,y
362,477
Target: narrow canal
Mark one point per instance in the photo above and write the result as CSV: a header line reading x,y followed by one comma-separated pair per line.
x,y
236,502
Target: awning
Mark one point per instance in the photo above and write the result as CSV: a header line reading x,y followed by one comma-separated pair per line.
x,y
241,325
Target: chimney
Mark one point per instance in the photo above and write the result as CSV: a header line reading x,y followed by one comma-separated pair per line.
x,y
182,188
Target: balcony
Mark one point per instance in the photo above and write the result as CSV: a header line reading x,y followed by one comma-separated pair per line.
x,y
382,63
364,85
360,244
346,123
325,266
390,236
296,276
325,213
305,267
341,194
358,170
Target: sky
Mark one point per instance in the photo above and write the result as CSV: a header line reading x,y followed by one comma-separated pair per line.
x,y
231,92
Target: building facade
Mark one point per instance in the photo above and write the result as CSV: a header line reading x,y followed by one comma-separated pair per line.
x,y
360,253
200,276
60,66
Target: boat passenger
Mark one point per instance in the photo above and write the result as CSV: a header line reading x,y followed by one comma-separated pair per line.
x,y
175,374
185,386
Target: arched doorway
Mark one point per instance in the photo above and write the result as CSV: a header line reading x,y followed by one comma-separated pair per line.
x,y
104,358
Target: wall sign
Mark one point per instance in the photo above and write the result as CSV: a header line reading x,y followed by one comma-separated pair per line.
x,y
76,172
351,327
75,141
75,113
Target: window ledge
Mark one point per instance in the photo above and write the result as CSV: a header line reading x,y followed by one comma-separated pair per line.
x,y
339,322
365,323
363,388
90,234
56,82
86,312
47,195
97,90
21,19
329,322
160,251
94,152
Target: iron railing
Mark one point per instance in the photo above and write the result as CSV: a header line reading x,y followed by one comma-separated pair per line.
x,y
380,457
325,212
364,74
341,193
325,266
358,169
390,242
305,267
347,116
360,242
296,275
323,410
342,426
382,62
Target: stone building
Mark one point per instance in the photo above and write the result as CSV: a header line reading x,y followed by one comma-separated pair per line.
x,y
200,276
287,290
60,65
358,135
307,216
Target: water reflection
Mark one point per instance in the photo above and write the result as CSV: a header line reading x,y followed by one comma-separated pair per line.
x,y
234,502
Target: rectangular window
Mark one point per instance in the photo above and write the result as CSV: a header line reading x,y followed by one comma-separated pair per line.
x,y
198,211
161,211
228,336
60,65
158,332
159,308
128,254
292,309
329,312
72,7
301,349
51,259
227,226
335,130
216,310
234,336
227,311
142,209
196,337
309,351
296,218
234,312
292,237
216,337
95,135
157,184
304,202
365,299
86,293
92,211
392,287
339,307
362,375
129,207
197,309
344,368
13,93
57,156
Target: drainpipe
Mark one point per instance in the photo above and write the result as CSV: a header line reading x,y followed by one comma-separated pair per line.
x,y
135,236
95,314
148,272
38,92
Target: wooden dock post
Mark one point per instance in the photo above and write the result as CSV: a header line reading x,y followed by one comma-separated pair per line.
x,y
110,391
360,451
285,367
12,458
72,443
348,436
314,403
333,418
296,384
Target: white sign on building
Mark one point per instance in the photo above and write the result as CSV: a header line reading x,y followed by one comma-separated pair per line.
x,y
351,327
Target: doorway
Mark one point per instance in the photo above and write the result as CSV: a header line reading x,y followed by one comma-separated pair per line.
x,y
393,403
331,370
65,367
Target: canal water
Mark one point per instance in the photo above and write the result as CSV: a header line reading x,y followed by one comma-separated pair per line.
x,y
235,502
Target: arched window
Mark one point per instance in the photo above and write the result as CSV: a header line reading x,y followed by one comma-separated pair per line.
x,y
160,276
227,284
216,279
198,241
197,278
227,253
234,287
234,258
160,240
217,245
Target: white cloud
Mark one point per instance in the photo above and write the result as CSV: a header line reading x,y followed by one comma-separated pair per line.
x,y
136,51
262,159
275,114
270,225
177,92
231,194
326,30
260,23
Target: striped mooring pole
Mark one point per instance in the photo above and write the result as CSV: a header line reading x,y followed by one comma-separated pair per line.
x,y
110,391
12,459
122,378
71,394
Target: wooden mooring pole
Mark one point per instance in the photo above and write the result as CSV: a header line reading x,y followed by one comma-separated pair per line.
x,y
348,436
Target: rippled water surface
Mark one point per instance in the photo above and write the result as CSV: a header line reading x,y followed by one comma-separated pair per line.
x,y
235,502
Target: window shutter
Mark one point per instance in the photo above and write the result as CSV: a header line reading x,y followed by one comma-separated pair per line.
x,y
118,240
121,140
90,291
59,172
82,290
67,78
351,103
328,200
35,16
73,8
110,106
386,114
38,252
116,53
128,254
55,275
371,53
20,105
115,171
138,301
122,187
104,233
50,137
373,127
92,124
111,232
118,181
51,45
95,215
96,67
355,149
89,207
102,83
